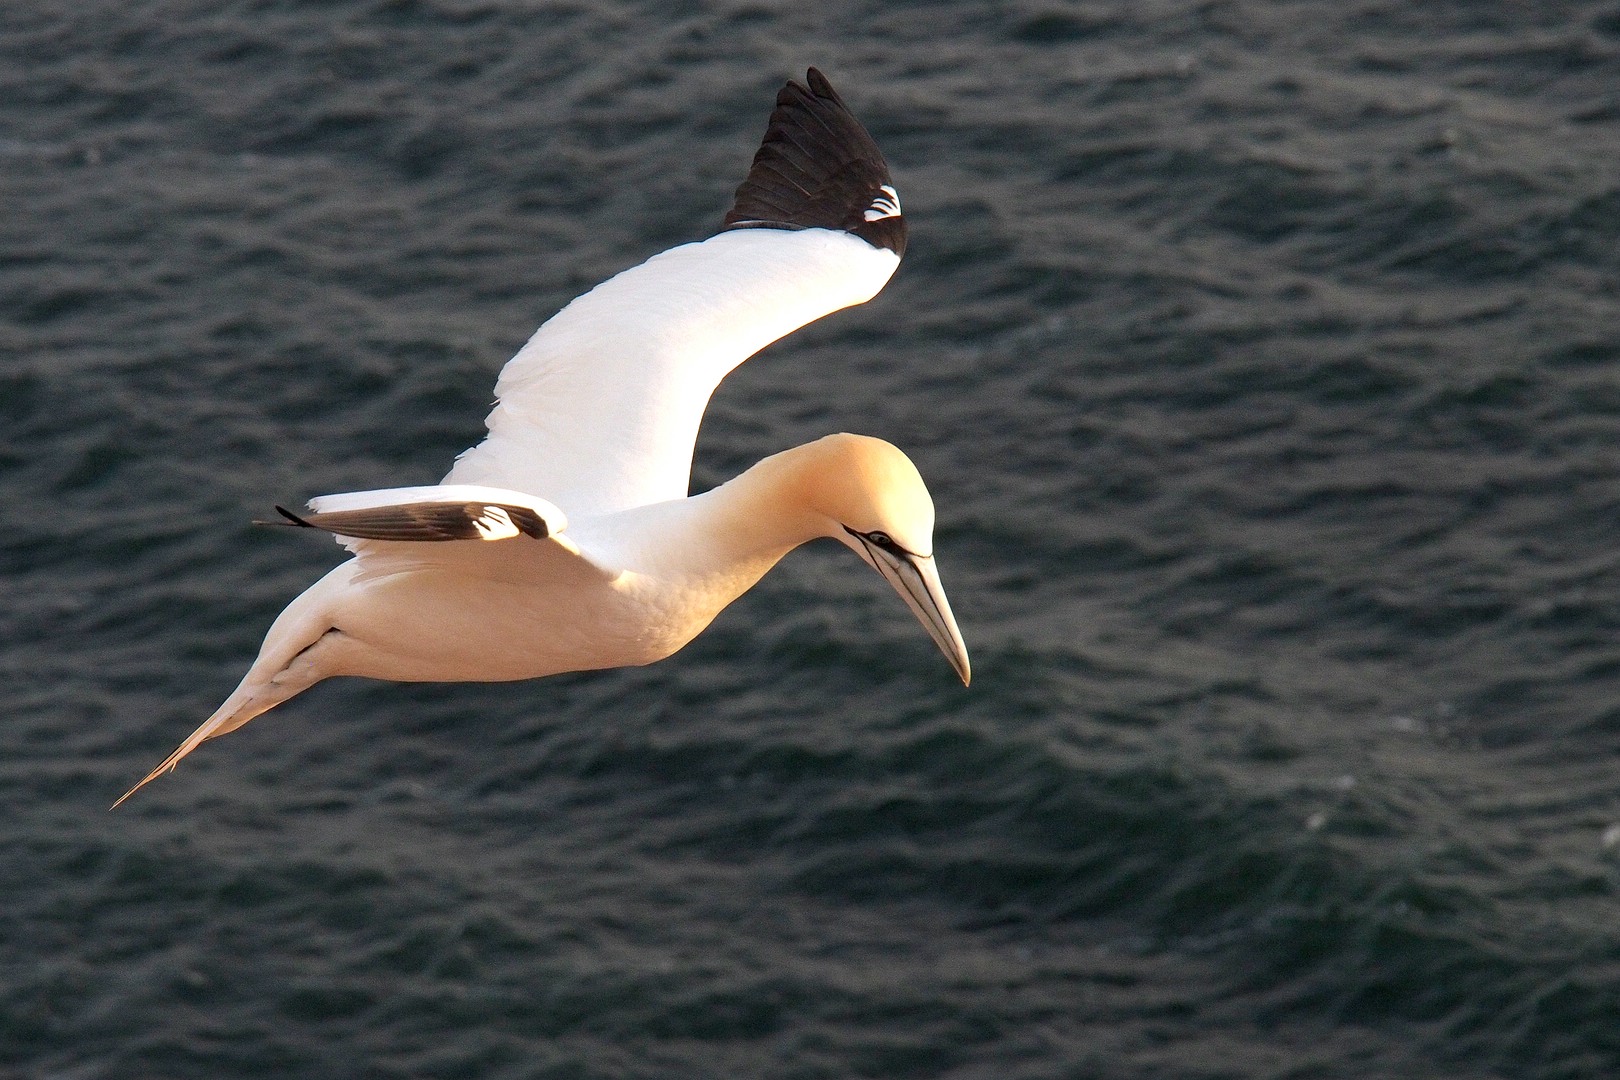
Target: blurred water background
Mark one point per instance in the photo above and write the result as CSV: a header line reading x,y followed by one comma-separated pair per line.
x,y
1261,358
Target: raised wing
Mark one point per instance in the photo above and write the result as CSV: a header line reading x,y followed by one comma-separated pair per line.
x,y
600,410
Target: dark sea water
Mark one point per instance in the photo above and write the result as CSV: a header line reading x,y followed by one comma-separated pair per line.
x,y
1263,358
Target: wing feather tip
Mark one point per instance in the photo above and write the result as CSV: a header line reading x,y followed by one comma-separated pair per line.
x,y
829,162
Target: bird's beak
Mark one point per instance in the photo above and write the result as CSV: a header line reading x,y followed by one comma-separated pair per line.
x,y
917,581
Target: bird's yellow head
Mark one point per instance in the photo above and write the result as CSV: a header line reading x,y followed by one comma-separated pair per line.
x,y
867,485
869,496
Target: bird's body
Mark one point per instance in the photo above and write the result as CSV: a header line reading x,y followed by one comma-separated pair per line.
x,y
566,541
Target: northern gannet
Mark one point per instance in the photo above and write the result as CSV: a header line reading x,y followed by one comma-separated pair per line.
x,y
484,578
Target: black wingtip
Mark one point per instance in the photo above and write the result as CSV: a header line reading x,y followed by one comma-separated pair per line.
x,y
818,168
819,85
292,519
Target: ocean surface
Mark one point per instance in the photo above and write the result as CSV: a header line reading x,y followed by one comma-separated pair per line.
x,y
1263,359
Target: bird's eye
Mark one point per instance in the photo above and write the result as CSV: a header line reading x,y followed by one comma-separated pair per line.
x,y
882,540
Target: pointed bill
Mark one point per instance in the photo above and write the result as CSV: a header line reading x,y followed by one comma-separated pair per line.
x,y
916,579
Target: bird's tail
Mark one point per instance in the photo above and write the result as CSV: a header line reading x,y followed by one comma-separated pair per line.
x,y
295,656
252,698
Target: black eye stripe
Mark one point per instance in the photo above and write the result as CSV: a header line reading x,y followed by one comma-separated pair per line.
x,y
882,541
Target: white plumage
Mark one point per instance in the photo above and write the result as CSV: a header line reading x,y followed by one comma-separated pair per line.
x,y
600,410
565,541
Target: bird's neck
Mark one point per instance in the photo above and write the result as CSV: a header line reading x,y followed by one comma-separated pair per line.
x,y
766,511
690,558
679,563
735,532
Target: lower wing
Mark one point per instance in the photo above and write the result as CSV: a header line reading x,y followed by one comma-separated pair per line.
x,y
489,532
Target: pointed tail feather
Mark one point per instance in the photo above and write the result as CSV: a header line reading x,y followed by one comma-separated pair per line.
x,y
257,694
297,653
198,736
243,705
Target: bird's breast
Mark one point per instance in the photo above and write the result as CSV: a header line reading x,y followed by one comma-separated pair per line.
x,y
431,626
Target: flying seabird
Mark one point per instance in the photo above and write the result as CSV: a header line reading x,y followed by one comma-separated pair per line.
x,y
566,541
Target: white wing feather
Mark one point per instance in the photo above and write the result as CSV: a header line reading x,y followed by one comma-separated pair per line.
x,y
599,412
